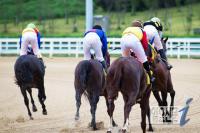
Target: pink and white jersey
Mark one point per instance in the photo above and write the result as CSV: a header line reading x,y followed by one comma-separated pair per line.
x,y
153,36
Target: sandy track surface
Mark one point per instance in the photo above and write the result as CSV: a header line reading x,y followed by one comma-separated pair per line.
x,y
61,102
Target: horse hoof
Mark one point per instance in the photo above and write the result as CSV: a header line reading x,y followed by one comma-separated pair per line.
x,y
44,112
115,125
124,131
169,121
94,128
31,118
109,131
34,109
150,129
76,118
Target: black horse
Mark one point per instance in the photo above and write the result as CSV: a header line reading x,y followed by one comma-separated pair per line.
x,y
29,73
90,81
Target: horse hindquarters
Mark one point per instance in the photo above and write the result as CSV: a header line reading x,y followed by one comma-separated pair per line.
x,y
80,83
23,75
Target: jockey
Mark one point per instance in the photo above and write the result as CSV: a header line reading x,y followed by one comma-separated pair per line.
x,y
134,38
30,35
154,28
95,39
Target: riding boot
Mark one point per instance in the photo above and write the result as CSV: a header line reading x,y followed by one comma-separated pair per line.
x,y
164,58
147,68
104,65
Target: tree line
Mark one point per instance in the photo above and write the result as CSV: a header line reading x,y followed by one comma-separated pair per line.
x,y
40,10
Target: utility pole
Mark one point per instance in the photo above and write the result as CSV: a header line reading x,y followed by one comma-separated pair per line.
x,y
89,14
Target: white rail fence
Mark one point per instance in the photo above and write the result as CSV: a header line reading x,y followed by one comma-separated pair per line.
x,y
74,46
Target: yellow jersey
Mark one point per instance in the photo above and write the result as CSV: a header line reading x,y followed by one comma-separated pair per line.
x,y
137,31
28,30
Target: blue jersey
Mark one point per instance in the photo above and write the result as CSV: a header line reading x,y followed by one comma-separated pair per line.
x,y
103,38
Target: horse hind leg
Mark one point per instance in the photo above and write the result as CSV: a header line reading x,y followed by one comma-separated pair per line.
x,y
78,104
110,110
93,103
129,102
26,101
157,96
172,94
144,111
34,108
113,123
42,97
165,108
149,118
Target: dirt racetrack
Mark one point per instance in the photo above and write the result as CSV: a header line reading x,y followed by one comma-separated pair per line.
x,y
60,101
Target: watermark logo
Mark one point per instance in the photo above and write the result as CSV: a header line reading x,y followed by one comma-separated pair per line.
x,y
162,115
184,111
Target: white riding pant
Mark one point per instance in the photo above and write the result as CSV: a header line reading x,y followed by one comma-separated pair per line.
x,y
131,42
152,32
29,38
92,41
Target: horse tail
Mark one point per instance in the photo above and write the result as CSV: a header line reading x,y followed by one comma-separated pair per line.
x,y
81,76
23,74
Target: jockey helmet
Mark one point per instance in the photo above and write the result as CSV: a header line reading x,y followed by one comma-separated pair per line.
x,y
97,27
137,23
31,25
157,23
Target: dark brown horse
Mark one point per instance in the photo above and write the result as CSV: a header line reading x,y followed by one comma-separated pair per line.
x,y
90,81
163,84
127,75
29,73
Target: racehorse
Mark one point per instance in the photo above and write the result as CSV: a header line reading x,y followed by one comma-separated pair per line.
x,y
127,75
163,84
29,73
90,81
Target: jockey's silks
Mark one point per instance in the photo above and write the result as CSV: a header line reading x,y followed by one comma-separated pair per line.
x,y
35,30
102,37
137,31
28,30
